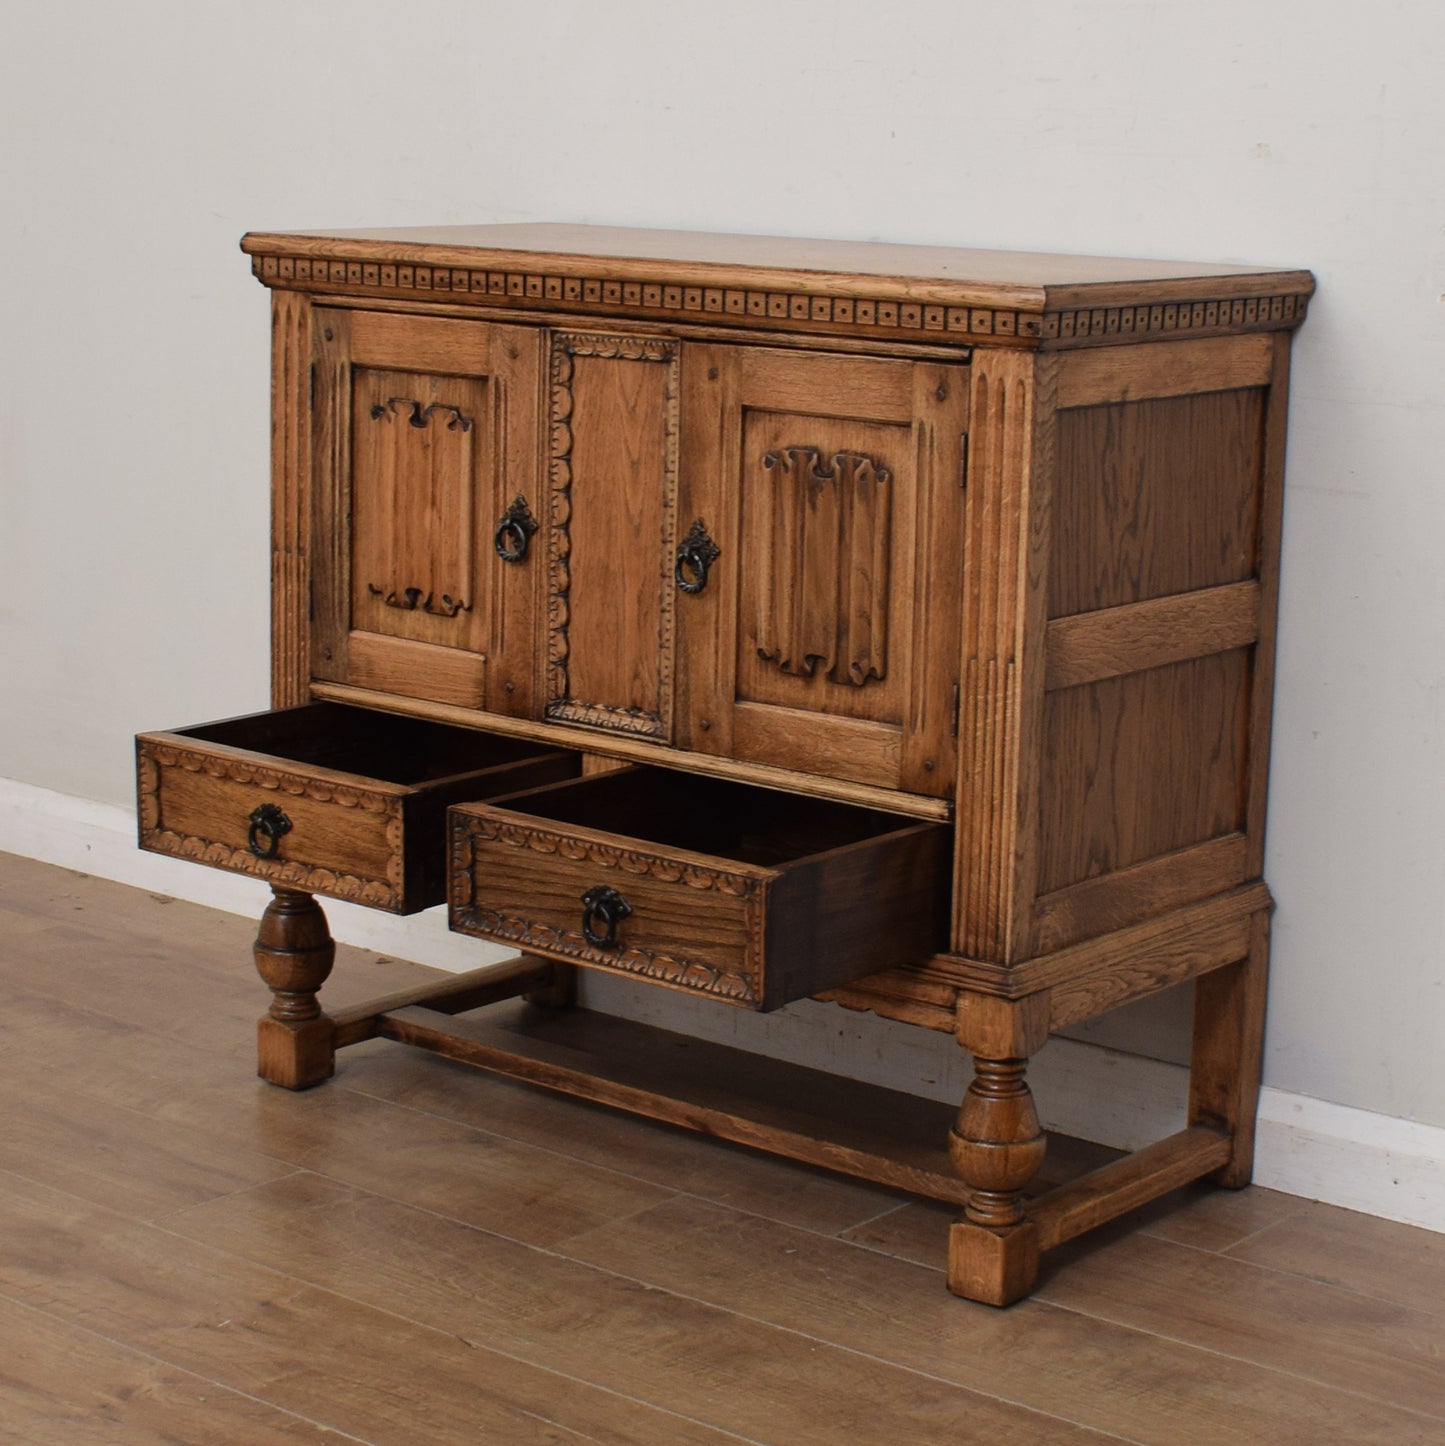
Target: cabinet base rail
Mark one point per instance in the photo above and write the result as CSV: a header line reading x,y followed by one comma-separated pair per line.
x,y
857,1129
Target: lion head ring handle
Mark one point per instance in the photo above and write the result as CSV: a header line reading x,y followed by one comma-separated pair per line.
x,y
603,909
263,837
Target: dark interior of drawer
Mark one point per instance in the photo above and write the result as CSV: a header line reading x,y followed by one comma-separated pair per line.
x,y
387,746
705,815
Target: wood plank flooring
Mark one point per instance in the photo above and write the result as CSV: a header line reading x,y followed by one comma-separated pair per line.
x,y
416,1253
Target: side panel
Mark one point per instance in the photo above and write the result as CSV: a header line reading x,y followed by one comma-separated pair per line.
x,y
1160,599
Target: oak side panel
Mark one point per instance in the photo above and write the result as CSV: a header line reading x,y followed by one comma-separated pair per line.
x,y
1129,639
1137,766
1155,497
290,496
1165,369
1270,521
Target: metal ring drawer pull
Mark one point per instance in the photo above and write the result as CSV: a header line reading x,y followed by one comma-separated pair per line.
x,y
697,553
263,837
604,906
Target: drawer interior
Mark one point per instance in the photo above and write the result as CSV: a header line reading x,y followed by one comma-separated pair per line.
x,y
386,746
711,816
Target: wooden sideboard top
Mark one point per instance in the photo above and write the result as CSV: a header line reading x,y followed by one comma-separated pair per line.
x,y
1023,296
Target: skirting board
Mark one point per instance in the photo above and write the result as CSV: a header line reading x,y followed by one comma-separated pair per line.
x,y
1342,1156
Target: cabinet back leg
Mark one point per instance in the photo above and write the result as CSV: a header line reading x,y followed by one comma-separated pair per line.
x,y
1228,1050
294,954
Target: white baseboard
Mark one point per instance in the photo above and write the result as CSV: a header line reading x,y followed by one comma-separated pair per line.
x,y
1349,1157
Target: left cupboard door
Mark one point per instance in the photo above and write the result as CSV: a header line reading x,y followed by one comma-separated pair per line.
x,y
426,451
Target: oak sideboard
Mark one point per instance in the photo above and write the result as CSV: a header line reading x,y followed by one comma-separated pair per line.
x,y
770,620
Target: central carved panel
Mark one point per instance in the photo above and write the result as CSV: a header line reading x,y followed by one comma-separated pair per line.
x,y
823,594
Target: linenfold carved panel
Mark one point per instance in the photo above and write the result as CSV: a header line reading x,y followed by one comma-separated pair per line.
x,y
415,464
823,598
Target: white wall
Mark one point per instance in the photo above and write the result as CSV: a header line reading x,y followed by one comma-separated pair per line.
x,y
140,140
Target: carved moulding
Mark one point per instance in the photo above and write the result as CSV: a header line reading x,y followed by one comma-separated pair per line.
x,y
635,720
468,916
153,759
823,598
880,317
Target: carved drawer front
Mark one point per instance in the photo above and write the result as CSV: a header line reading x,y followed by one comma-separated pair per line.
x,y
717,888
326,799
821,562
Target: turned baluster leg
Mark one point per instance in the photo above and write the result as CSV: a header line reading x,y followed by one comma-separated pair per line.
x,y
294,954
997,1146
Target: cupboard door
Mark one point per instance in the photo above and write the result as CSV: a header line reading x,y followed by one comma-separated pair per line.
x,y
613,490
821,564
427,439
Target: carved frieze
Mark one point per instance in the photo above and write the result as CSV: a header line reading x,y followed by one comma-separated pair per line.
x,y
874,316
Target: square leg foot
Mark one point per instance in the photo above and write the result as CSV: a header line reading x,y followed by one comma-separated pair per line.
x,y
295,1056
994,1267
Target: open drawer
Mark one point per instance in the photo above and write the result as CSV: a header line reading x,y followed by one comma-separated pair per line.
x,y
713,887
327,799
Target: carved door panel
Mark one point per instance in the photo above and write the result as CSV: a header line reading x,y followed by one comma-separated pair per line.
x,y
427,439
821,563
610,531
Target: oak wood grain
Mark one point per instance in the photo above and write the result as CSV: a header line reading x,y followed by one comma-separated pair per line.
x,y
1136,636
1155,498
1123,1185
1139,766
1164,369
1095,907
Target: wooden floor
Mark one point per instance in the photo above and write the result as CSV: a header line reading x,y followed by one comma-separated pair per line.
x,y
418,1253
